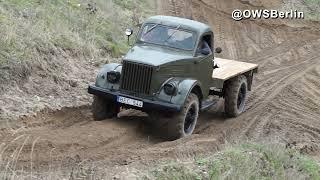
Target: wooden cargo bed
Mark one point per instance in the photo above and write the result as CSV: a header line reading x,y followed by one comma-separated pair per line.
x,y
230,68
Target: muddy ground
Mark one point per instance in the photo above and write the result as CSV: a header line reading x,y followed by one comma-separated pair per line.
x,y
284,105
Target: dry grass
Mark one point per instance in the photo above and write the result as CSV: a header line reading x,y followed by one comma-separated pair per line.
x,y
59,45
244,161
33,30
29,27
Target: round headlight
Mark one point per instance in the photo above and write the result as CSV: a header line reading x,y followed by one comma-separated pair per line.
x,y
170,88
113,76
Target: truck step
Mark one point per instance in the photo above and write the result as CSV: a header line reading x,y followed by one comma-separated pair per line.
x,y
206,104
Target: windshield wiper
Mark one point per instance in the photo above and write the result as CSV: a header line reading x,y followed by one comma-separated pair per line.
x,y
177,28
149,30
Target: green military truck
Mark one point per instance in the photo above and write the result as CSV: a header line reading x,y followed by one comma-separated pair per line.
x,y
170,73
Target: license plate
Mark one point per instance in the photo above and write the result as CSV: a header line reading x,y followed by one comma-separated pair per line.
x,y
130,101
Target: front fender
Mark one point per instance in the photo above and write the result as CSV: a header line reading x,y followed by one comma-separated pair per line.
x,y
184,87
101,79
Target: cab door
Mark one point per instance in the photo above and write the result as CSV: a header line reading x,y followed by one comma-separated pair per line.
x,y
203,63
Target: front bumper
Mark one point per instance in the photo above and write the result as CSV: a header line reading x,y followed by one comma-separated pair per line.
x,y
148,105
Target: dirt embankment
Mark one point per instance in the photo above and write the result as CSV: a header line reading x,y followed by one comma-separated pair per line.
x,y
284,105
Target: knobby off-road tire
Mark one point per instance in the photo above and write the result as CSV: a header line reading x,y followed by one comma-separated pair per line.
x,y
103,108
235,96
180,124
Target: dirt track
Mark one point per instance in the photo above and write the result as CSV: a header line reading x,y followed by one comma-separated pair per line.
x,y
284,105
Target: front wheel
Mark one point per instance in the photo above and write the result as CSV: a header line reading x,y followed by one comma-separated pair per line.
x,y
181,124
235,96
103,108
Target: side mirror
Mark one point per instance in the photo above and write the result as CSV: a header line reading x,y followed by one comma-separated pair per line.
x,y
218,50
128,33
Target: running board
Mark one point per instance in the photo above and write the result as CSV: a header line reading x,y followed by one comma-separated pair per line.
x,y
205,105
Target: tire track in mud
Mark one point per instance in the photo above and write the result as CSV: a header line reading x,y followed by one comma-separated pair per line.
x,y
272,83
270,74
273,52
263,98
269,88
75,133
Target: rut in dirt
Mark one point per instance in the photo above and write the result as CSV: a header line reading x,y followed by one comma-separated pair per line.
x,y
52,139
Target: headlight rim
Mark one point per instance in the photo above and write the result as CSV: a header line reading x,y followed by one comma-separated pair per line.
x,y
116,78
171,91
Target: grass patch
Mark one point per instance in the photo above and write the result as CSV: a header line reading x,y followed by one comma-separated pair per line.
x,y
245,161
313,13
175,172
32,31
77,25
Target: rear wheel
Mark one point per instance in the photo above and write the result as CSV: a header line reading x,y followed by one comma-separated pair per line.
x,y
180,124
103,108
235,96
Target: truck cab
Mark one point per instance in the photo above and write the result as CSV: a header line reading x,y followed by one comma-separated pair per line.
x,y
170,71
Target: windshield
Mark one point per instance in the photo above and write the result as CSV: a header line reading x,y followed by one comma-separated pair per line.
x,y
168,36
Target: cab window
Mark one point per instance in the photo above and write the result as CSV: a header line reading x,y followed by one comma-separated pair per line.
x,y
168,36
205,46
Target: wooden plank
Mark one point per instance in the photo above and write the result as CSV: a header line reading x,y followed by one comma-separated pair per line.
x,y
230,68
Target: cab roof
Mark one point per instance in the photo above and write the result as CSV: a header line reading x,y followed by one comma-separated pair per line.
x,y
188,24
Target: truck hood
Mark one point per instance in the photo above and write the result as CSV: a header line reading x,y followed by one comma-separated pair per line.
x,y
155,56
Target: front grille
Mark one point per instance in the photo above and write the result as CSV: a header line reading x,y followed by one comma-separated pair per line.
x,y
136,77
